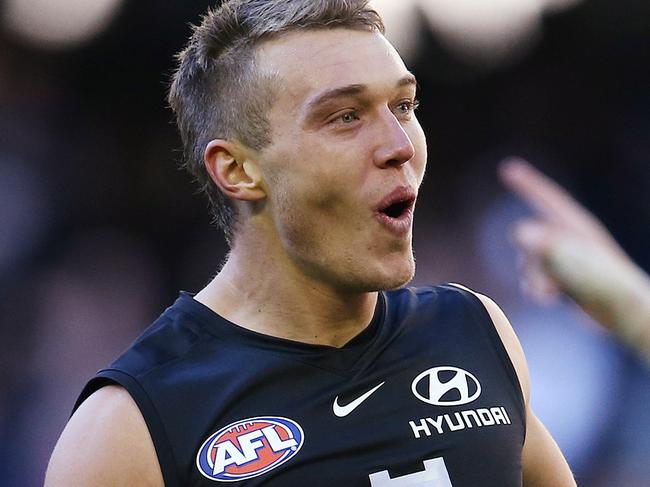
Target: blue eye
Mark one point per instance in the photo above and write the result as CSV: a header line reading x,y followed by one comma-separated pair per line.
x,y
407,107
348,117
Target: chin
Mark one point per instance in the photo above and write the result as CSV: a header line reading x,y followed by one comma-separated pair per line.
x,y
396,281
352,274
395,276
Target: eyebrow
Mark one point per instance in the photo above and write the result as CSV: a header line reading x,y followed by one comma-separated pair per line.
x,y
351,90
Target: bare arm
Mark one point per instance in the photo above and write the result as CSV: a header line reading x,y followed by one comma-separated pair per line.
x,y
105,443
566,249
543,463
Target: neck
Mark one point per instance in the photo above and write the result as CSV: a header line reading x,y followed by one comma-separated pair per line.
x,y
272,296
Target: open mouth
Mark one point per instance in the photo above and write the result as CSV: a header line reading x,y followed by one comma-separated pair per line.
x,y
395,211
398,208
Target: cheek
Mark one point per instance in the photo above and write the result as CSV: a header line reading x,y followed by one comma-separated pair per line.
x,y
419,142
299,205
314,204
315,179
313,218
313,187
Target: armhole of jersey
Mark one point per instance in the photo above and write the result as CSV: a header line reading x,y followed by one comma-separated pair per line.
x,y
155,425
484,316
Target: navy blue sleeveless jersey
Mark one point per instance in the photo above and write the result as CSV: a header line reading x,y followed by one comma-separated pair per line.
x,y
425,396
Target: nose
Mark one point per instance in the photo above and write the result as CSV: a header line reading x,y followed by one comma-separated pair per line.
x,y
394,147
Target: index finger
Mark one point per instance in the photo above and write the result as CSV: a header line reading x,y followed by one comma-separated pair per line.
x,y
541,192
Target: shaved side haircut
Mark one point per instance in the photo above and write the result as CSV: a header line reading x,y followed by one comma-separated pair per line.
x,y
217,91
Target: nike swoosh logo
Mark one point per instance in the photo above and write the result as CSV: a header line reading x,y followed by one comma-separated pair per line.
x,y
342,411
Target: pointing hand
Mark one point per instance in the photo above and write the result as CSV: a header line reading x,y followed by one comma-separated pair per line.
x,y
567,249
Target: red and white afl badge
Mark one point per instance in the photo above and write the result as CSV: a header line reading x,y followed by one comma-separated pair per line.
x,y
249,447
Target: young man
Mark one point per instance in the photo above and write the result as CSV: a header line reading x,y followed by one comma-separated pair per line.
x,y
295,366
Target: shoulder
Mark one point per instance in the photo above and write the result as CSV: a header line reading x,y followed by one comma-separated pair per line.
x,y
168,339
107,422
457,304
508,338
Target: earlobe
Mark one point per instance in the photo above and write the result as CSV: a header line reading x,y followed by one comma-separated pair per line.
x,y
233,170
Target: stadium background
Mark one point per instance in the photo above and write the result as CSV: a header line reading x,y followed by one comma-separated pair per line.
x,y
99,229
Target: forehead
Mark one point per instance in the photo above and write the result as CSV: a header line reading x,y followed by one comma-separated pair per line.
x,y
312,61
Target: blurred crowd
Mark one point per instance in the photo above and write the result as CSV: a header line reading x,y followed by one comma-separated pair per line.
x,y
99,229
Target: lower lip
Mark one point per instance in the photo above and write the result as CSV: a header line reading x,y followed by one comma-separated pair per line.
x,y
399,226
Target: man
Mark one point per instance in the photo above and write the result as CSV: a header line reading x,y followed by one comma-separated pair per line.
x,y
293,367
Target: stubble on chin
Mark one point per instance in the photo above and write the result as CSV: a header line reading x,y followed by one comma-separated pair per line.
x,y
394,277
403,279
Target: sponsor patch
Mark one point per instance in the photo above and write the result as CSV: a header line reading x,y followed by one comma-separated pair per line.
x,y
446,386
249,447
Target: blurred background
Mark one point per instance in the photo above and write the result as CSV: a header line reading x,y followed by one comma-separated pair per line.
x,y
99,229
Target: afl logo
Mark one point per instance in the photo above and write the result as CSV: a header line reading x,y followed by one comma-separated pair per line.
x,y
446,386
248,448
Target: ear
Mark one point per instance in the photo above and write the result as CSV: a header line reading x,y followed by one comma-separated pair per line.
x,y
232,168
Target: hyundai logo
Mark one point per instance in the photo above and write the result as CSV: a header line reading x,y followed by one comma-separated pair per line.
x,y
446,386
